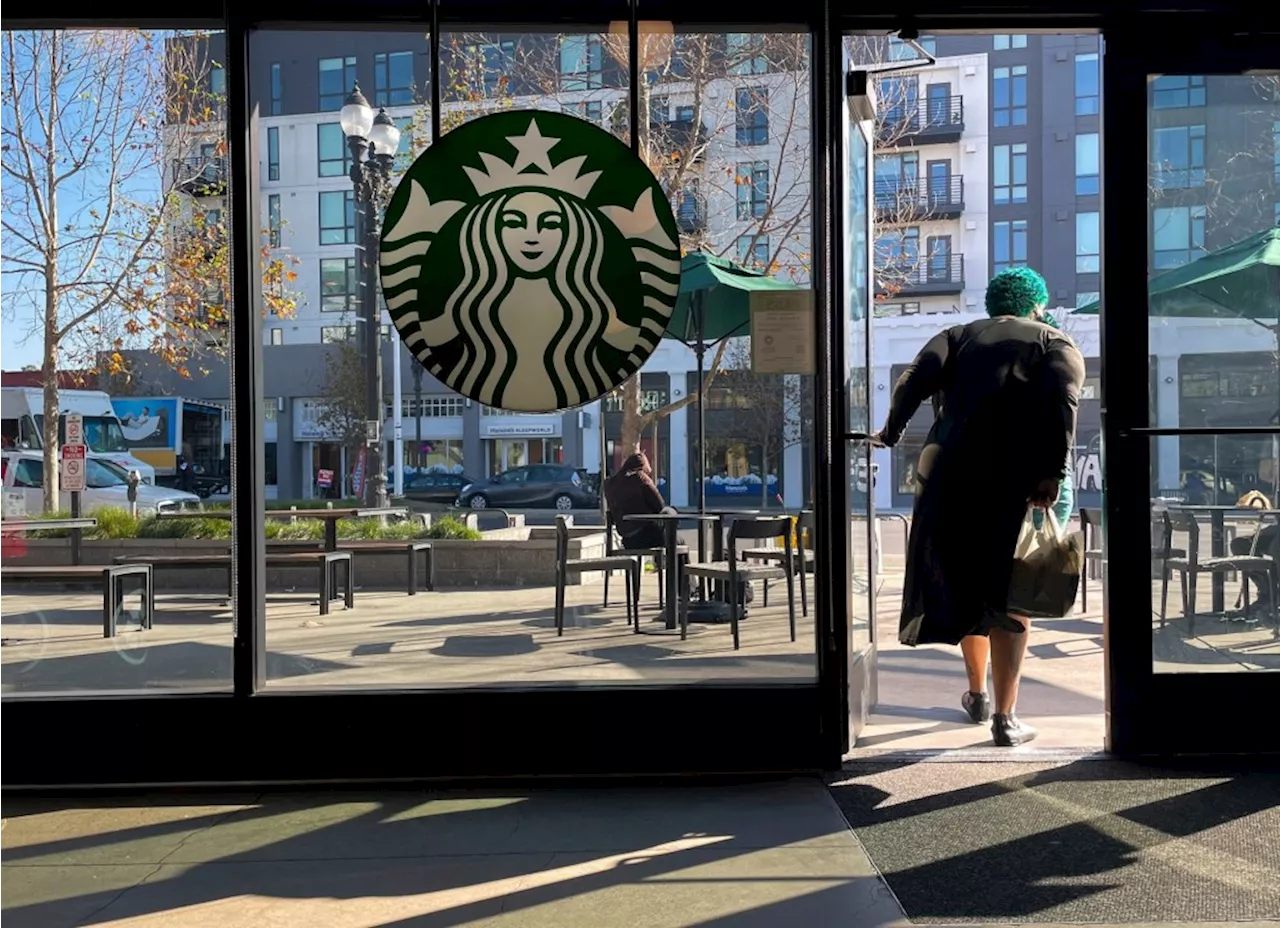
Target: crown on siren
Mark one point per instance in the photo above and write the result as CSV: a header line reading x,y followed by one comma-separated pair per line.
x,y
532,149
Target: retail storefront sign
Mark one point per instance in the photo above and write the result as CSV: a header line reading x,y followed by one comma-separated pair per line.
x,y
530,261
519,430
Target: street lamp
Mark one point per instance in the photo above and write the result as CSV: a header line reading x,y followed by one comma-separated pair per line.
x,y
373,141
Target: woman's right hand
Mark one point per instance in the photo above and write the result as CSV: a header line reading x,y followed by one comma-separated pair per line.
x,y
1045,494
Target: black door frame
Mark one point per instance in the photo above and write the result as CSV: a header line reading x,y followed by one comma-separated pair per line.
x,y
1148,712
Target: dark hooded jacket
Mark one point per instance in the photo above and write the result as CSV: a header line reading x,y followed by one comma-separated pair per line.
x,y
631,491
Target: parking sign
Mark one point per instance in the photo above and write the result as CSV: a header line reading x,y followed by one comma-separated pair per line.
x,y
74,429
73,468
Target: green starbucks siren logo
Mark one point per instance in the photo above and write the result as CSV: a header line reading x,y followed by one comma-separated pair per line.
x,y
530,261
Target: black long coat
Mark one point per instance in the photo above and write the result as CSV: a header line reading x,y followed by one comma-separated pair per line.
x,y
1009,390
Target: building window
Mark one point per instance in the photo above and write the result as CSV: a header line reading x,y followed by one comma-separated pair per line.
x,y
331,144
1178,235
1087,80
745,53
898,309
406,152
339,287
1010,244
1275,146
1009,96
591,111
337,334
752,182
1178,152
689,213
393,79
277,90
752,114
581,63
337,217
753,251
898,253
277,336
1009,173
1177,90
1088,243
443,407
1003,43
273,219
493,60
337,77
1087,297
1087,180
902,51
217,81
273,153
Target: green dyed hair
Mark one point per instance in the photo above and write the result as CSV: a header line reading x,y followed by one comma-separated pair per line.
x,y
1016,291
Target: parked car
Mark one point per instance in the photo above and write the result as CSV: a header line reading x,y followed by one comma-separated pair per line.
x,y
436,488
535,486
106,484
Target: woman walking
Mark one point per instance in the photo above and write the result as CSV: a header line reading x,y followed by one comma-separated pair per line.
x,y
1006,392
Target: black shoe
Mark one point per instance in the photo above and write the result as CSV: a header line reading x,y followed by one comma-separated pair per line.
x,y
1008,732
978,706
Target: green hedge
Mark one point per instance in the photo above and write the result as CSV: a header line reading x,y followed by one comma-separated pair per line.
x,y
117,523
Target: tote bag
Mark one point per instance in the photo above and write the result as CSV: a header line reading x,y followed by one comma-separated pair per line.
x,y
1046,569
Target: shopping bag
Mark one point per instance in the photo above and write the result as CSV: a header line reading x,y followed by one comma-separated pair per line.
x,y
1046,569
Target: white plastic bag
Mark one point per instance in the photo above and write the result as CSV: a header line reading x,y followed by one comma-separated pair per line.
x,y
1046,569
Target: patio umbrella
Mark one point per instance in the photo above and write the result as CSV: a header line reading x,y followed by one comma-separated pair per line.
x,y
1240,281
714,304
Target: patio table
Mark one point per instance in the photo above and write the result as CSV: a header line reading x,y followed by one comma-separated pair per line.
x,y
330,517
670,522
1218,516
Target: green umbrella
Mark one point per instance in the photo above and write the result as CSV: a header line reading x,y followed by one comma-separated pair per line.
x,y
1241,281
714,304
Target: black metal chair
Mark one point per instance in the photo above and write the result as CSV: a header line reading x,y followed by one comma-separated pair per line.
x,y
566,565
612,548
1091,529
1190,565
733,572
803,558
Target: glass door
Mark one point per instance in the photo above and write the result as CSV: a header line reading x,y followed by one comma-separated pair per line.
x,y
863,567
1192,472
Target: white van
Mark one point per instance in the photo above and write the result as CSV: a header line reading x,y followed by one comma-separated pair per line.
x,y
22,412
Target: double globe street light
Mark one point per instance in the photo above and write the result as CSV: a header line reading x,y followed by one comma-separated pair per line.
x,y
372,140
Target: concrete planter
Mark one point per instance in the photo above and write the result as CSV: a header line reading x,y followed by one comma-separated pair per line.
x,y
504,558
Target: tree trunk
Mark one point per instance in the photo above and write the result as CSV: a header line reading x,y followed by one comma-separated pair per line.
x,y
764,479
632,397
49,429
51,338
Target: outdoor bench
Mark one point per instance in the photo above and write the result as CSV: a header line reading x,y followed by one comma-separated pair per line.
x,y
414,549
326,561
115,580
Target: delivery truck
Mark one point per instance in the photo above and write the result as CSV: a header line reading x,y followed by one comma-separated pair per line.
x,y
161,429
22,411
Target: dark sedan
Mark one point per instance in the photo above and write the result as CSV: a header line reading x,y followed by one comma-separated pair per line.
x,y
538,485
436,488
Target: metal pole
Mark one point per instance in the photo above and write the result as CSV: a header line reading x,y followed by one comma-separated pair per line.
x,y
397,419
366,176
700,349
417,419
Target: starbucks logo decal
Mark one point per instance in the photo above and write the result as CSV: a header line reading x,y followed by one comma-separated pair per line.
x,y
530,261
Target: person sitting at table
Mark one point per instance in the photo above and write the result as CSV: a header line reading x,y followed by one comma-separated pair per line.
x,y
632,492
1268,546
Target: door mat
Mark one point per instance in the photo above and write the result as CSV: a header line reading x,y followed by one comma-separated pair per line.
x,y
1086,841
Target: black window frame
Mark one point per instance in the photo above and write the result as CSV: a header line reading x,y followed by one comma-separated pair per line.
x,y
385,93
349,217
330,101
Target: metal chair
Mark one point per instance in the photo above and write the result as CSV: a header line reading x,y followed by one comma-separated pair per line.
x,y
733,572
803,558
1091,528
659,555
566,565
1190,565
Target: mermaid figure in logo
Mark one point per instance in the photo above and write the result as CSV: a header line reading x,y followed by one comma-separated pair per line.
x,y
531,264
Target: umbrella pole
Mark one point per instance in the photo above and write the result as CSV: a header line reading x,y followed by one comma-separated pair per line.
x,y
700,351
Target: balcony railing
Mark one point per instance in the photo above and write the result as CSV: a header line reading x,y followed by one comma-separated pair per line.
x,y
679,136
940,119
201,176
928,274
899,200
691,216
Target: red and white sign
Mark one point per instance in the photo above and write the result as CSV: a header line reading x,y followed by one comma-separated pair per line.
x,y
73,468
74,429
324,478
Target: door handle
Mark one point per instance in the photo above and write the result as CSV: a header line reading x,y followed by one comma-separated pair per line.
x,y
856,436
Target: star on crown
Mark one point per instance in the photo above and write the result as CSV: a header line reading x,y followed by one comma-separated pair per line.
x,y
532,149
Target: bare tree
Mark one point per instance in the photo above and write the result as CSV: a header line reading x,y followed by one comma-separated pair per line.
x,y
342,411
100,252
746,202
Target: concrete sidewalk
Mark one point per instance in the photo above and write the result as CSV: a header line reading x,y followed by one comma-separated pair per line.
x,y
745,856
